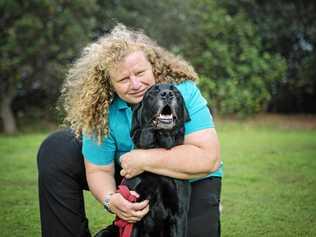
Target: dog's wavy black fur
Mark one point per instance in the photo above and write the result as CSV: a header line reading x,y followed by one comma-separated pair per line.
x,y
169,198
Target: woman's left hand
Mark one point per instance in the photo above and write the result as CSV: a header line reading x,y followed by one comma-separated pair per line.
x,y
132,163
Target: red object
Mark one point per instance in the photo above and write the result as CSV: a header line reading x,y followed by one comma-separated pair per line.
x,y
125,228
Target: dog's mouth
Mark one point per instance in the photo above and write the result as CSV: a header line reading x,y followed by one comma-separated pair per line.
x,y
165,119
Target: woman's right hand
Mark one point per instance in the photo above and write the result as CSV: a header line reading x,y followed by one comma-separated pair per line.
x,y
129,211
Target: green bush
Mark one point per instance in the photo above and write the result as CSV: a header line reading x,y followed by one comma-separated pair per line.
x,y
237,76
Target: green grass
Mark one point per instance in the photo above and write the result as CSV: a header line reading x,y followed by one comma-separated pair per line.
x,y
269,187
269,182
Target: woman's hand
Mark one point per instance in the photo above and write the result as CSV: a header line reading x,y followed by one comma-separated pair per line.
x,y
133,163
126,210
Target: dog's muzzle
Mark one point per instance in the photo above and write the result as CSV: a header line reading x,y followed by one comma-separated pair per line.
x,y
166,119
166,116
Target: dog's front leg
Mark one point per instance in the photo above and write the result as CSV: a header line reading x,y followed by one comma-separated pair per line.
x,y
180,229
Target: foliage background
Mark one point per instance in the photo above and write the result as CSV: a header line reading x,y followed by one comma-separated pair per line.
x,y
252,56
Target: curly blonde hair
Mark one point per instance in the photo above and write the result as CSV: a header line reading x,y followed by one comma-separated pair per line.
x,y
87,91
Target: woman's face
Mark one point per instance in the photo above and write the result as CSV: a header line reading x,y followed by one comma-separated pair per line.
x,y
132,77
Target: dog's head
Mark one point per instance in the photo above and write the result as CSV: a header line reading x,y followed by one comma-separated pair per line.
x,y
158,121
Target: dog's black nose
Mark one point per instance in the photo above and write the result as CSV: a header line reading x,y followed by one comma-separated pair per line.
x,y
166,95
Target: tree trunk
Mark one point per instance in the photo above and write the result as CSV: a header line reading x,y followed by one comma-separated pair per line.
x,y
8,119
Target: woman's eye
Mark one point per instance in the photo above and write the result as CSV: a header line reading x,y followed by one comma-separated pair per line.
x,y
125,79
140,73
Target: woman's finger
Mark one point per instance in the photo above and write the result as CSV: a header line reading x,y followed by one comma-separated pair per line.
x,y
137,206
123,172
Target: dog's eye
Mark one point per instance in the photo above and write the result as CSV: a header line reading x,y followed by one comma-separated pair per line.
x,y
156,89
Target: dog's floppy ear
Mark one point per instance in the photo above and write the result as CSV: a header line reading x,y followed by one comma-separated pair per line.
x,y
186,116
141,136
136,120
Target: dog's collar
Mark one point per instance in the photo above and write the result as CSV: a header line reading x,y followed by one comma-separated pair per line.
x,y
133,182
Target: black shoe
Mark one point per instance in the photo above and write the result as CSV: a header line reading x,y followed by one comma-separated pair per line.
x,y
109,231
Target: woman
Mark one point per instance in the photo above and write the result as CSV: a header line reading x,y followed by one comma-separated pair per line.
x,y
109,78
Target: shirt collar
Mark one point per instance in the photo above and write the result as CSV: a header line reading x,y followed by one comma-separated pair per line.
x,y
119,103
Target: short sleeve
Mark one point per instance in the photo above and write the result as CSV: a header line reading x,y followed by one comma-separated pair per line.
x,y
196,104
99,154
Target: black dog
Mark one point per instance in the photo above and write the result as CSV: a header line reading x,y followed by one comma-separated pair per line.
x,y
158,121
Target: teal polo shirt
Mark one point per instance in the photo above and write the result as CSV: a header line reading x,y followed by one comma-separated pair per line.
x,y
119,141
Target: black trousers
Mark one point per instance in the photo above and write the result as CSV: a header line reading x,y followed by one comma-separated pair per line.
x,y
62,179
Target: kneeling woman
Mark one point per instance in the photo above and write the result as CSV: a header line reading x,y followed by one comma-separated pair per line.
x,y
111,76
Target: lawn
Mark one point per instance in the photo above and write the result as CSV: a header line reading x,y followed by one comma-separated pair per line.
x,y
269,187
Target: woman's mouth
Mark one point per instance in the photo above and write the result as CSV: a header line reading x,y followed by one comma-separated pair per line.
x,y
138,93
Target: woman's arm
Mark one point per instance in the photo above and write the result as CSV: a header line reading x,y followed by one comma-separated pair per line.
x,y
100,179
199,155
101,182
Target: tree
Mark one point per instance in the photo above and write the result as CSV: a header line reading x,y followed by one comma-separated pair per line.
x,y
237,74
165,21
38,40
287,28
227,52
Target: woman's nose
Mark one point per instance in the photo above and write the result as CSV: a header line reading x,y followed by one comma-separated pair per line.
x,y
135,82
